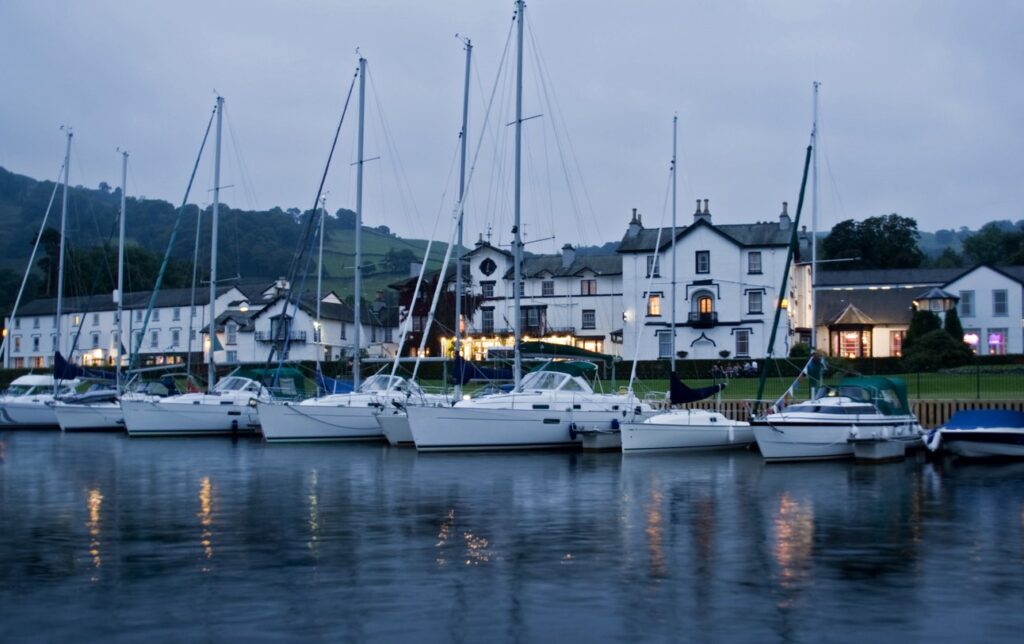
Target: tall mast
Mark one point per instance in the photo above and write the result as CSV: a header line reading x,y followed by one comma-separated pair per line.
x,y
120,270
463,135
357,301
675,122
212,378
517,243
60,257
814,220
319,285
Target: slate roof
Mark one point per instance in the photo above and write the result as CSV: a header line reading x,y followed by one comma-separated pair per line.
x,y
535,265
852,316
138,300
748,235
881,307
889,277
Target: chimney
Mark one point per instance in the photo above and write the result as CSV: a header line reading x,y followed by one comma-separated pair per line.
x,y
568,255
635,226
280,285
784,221
699,215
480,241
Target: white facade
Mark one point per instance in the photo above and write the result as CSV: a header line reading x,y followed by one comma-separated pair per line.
x,y
991,310
727,287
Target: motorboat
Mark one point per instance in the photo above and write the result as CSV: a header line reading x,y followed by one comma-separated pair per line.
x,y
980,433
337,417
821,427
230,408
544,412
686,429
28,401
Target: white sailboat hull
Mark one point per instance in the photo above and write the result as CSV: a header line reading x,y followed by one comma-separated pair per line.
x,y
686,430
396,428
94,417
144,418
283,422
804,442
463,428
28,414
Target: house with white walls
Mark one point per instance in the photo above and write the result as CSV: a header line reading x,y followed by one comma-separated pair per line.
x,y
727,285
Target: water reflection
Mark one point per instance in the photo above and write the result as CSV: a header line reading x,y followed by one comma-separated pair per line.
x,y
794,539
94,502
206,519
653,528
314,513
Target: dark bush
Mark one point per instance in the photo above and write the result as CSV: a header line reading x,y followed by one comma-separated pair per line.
x,y
936,350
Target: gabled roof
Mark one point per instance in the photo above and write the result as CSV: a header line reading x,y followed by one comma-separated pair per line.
x,y
482,245
936,293
852,316
1016,273
746,235
894,277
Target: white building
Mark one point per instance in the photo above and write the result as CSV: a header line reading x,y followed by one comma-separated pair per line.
x,y
991,308
727,285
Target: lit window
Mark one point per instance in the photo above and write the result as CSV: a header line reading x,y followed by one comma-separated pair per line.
x,y
705,304
654,304
896,343
972,337
997,342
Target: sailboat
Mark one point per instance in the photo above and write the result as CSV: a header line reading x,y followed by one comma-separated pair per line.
x,y
547,406
341,416
28,401
228,407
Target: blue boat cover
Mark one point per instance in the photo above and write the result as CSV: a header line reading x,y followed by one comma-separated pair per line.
x,y
985,419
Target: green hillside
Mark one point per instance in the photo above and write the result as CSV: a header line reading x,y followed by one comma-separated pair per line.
x,y
253,244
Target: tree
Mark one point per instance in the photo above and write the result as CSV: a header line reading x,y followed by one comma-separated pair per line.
x,y
922,323
397,260
935,350
953,326
994,244
948,258
888,241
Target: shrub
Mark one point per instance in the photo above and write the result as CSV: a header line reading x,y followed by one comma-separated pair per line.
x,y
935,350
800,350
921,323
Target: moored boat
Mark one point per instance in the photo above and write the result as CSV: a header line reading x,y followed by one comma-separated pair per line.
x,y
686,429
230,408
28,401
980,433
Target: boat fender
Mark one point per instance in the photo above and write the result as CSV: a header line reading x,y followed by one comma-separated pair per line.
x,y
615,423
933,440
572,431
637,411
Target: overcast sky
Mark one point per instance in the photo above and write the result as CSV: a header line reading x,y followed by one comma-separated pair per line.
x,y
921,105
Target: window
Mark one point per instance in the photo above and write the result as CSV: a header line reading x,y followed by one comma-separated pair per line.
x,y
279,327
17,323
176,314
487,320
53,343
136,340
175,337
35,323
19,363
156,315
588,287
664,344
344,333
966,304
231,329
35,344
387,334
754,262
705,304
417,323
653,266
17,344
534,318
703,261
95,340
154,338
999,307
754,302
487,289
138,316
589,319
77,320
232,356
95,319
997,341
193,311
547,288
972,337
654,304
896,343
742,343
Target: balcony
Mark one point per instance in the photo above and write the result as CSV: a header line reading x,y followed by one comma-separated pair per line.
x,y
268,336
703,320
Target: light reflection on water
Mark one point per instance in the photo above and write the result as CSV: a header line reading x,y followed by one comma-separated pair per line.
x,y
361,542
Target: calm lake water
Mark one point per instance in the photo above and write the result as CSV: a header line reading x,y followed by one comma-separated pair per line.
x,y
109,538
